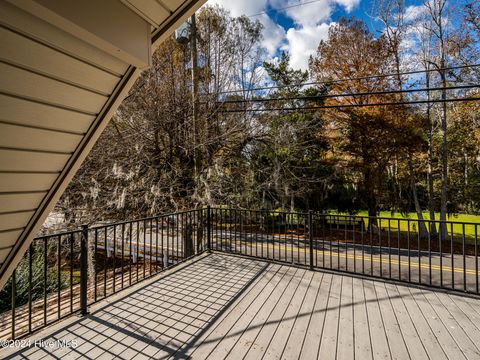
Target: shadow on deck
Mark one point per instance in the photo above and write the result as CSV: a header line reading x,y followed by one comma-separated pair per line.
x,y
220,306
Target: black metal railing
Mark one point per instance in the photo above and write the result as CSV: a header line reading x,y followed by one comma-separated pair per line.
x,y
441,254
63,274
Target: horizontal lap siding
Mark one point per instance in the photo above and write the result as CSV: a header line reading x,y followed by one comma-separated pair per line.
x,y
8,237
52,87
18,49
25,112
27,24
18,202
23,83
23,182
14,220
12,160
21,137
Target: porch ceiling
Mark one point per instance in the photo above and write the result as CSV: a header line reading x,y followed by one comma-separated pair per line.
x,y
65,67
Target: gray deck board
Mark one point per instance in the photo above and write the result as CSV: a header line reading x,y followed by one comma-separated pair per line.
x,y
328,343
296,341
380,347
396,341
462,339
223,306
311,343
362,338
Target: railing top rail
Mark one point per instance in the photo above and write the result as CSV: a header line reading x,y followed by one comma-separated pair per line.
x,y
350,216
63,233
402,219
263,211
116,223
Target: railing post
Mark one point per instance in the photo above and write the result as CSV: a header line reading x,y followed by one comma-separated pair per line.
x,y
84,269
14,301
209,229
310,237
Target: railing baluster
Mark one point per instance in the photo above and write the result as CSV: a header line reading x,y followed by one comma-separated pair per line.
x,y
440,240
362,227
330,244
399,251
30,261
156,244
389,250
354,247
430,251
84,270
419,253
45,264
58,274
95,266
370,235
476,258
209,228
138,248
123,254
13,301
347,221
310,237
380,246
151,247
114,258
452,267
144,257
105,270
168,238
464,259
408,249
72,239
130,254
323,240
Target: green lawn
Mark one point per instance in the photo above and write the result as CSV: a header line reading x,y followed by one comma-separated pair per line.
x,y
401,221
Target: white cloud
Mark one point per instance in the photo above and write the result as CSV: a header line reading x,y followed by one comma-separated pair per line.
x,y
241,7
414,12
349,5
312,21
273,35
312,13
303,42
309,14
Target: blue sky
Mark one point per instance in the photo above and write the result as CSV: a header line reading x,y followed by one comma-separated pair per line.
x,y
298,30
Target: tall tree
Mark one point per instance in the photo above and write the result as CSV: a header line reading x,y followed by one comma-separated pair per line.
x,y
391,14
437,12
364,134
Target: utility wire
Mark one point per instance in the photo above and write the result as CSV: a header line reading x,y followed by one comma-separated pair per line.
x,y
327,82
352,105
286,7
319,97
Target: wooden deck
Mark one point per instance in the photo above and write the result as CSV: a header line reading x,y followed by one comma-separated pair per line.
x,y
221,306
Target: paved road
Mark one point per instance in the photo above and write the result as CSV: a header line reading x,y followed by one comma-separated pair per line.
x,y
400,264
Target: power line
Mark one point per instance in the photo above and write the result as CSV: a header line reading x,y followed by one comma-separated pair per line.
x,y
327,82
319,97
286,7
416,102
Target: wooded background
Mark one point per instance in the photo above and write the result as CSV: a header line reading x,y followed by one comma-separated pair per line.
x,y
293,146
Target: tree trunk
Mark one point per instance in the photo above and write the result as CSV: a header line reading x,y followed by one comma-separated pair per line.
x,y
431,204
444,156
422,229
371,201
